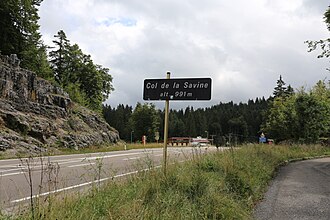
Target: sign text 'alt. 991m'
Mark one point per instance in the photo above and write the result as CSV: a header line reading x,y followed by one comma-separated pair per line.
x,y
177,89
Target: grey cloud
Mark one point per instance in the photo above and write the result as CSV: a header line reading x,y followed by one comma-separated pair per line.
x,y
242,45
318,6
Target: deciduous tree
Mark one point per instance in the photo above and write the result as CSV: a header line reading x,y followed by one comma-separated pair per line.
x,y
324,44
145,121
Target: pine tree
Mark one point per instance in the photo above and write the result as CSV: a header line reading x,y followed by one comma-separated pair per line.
x,y
87,83
289,91
59,57
280,89
19,34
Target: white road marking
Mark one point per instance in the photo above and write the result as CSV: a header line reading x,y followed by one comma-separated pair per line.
x,y
13,169
74,160
79,185
109,156
81,165
83,157
177,151
45,164
11,174
66,160
10,166
132,158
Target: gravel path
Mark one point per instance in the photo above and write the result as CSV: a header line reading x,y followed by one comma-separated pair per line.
x,y
301,191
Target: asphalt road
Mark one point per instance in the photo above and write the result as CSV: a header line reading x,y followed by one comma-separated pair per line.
x,y
301,191
57,174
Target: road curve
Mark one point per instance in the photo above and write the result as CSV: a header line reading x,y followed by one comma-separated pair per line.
x,y
301,190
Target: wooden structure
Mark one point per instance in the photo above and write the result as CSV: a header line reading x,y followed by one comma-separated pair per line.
x,y
179,141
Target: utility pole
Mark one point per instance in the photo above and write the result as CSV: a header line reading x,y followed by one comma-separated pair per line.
x,y
212,138
207,134
132,136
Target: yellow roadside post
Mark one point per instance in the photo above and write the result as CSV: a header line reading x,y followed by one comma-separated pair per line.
x,y
167,104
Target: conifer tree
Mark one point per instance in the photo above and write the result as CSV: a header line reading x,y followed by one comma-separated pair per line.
x,y
59,57
19,34
280,89
87,83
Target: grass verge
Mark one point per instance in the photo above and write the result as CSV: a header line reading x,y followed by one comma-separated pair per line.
x,y
223,185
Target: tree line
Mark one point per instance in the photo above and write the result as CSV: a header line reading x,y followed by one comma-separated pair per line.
x,y
239,119
87,83
301,116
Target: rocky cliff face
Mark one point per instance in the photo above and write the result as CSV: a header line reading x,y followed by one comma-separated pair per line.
x,y
35,115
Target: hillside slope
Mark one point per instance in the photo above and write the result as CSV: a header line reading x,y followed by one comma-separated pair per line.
x,y
34,114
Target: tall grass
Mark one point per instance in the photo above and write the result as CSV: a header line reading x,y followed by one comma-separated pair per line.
x,y
222,185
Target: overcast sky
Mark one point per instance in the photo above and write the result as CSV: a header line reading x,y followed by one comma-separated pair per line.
x,y
242,45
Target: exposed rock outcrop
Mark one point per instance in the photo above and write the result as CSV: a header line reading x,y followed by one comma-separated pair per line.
x,y
34,114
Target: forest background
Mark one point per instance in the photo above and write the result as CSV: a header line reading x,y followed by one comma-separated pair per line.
x,y
294,115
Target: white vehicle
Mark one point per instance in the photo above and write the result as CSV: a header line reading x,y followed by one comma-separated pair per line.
x,y
199,141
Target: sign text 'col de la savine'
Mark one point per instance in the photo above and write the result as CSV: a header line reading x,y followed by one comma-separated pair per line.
x,y
177,89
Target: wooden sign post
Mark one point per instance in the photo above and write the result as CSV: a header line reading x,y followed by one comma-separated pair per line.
x,y
167,106
175,89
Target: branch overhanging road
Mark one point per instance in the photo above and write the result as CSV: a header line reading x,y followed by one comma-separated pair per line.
x,y
301,190
56,174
